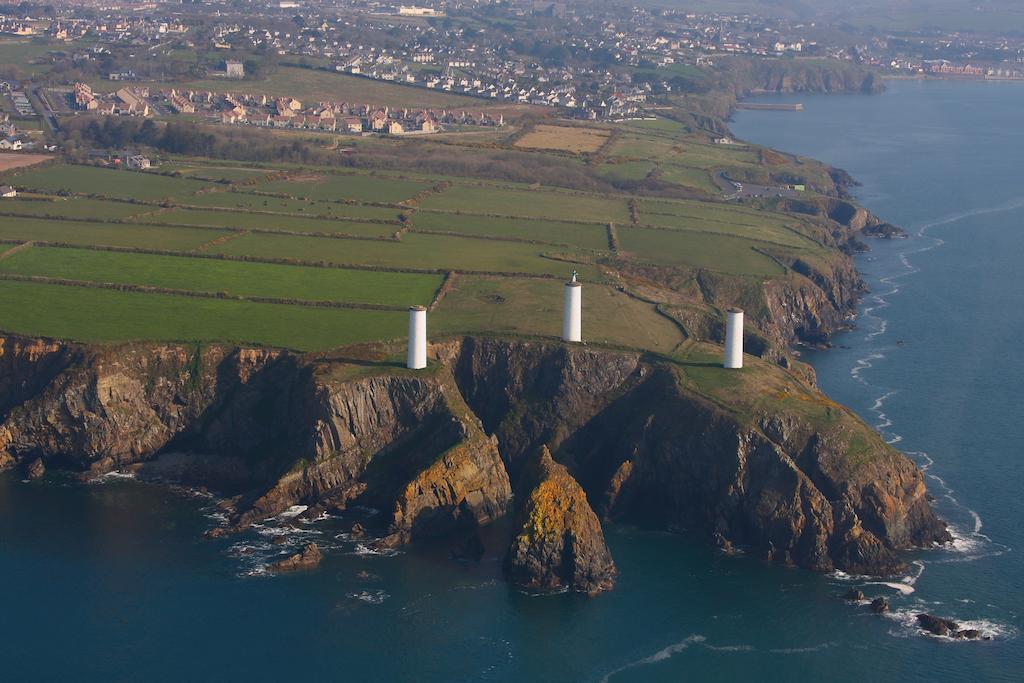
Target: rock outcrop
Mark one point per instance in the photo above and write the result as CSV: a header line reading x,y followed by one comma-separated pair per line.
x,y
308,558
758,460
939,626
558,542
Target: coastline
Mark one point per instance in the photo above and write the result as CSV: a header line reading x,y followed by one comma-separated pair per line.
x,y
862,371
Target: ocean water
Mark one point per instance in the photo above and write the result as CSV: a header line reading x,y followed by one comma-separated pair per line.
x,y
113,581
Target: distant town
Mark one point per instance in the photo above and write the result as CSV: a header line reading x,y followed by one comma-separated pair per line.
x,y
590,61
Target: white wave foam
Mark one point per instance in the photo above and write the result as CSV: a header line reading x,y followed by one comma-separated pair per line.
x,y
730,648
108,476
373,597
293,511
267,530
659,656
801,650
363,549
903,588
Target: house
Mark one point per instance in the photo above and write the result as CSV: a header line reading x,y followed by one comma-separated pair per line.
x,y
137,162
234,69
396,128
11,143
8,192
353,124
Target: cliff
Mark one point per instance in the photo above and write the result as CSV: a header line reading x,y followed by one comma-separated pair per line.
x,y
756,458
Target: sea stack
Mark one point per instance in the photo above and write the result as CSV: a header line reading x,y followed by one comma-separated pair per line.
x,y
417,358
733,339
572,319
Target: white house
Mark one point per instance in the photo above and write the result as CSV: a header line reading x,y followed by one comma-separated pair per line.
x,y
8,192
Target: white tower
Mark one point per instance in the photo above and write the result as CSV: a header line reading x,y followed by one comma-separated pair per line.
x,y
417,358
734,339
572,319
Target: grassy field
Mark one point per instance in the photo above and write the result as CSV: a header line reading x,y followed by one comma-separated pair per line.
x,y
592,236
214,172
76,207
88,180
97,315
511,245
260,221
672,247
564,138
108,234
508,306
242,218
414,251
557,205
363,188
235,278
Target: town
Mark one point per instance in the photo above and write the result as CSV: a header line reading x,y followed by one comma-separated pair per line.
x,y
589,61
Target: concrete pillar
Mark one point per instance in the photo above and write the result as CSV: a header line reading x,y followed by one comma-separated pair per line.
x,y
734,339
572,318
417,358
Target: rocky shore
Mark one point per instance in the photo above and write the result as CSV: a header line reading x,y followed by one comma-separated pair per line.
x,y
577,434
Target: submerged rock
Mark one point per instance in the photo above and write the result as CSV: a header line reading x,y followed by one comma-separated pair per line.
x,y
558,542
35,469
309,558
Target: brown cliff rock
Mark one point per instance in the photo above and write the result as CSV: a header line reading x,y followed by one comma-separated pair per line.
x,y
308,558
756,458
558,542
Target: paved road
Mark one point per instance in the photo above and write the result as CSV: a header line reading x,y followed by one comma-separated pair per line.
x,y
746,190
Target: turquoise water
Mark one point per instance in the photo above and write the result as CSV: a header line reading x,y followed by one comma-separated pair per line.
x,y
113,581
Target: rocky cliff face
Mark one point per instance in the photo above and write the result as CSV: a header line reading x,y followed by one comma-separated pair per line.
x,y
800,481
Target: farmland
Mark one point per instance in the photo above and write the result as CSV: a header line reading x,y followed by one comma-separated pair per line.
x,y
564,138
12,161
313,257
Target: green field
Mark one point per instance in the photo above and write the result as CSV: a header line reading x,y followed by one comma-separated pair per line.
x,y
242,201
363,188
414,252
509,244
107,234
231,277
99,315
537,204
592,236
260,221
672,247
511,306
89,180
76,207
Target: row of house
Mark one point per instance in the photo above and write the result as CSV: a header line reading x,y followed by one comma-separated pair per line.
x,y
131,101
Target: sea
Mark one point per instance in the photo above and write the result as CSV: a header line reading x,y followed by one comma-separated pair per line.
x,y
114,581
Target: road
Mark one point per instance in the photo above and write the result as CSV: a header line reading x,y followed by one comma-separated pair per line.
x,y
42,107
